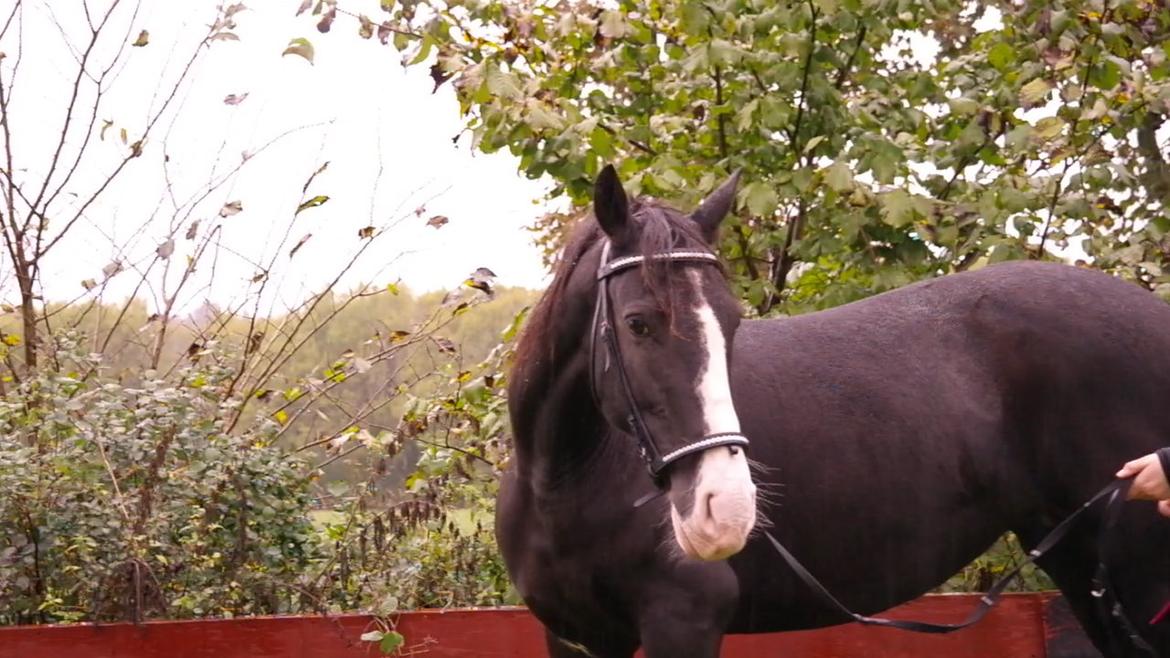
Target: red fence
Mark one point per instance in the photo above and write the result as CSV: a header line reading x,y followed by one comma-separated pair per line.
x,y
1021,626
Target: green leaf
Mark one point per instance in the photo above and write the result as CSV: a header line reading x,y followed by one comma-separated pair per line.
x,y
812,143
839,177
503,84
301,47
897,210
963,106
884,167
1049,127
723,53
1105,75
761,199
1001,56
312,203
540,118
391,640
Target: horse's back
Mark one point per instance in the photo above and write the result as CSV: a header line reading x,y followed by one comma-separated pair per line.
x,y
930,419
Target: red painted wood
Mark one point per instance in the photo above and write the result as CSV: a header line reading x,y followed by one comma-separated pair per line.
x,y
1015,629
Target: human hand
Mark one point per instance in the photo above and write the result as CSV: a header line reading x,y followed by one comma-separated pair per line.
x,y
1149,481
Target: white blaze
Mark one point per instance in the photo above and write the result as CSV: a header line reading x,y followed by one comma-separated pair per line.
x,y
714,386
724,508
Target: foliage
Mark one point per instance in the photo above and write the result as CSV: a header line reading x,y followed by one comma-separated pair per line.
x,y
869,161
120,500
128,493
163,455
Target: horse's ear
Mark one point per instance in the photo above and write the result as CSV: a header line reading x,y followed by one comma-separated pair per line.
x,y
716,206
610,205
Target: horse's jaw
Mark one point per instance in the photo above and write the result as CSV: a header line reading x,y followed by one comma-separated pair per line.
x,y
723,511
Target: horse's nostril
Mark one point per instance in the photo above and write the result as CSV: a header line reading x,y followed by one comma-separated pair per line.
x,y
708,508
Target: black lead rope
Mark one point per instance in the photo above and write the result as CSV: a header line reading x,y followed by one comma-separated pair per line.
x,y
1115,491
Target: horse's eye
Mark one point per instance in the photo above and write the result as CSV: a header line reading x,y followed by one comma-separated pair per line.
x,y
638,326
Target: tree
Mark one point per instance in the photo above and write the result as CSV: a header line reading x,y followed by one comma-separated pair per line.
x,y
868,162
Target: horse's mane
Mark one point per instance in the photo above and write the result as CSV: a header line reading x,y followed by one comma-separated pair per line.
x,y
660,228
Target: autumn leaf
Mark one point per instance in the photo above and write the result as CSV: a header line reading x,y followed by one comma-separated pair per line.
x,y
192,230
326,22
231,208
365,27
438,221
445,345
142,40
366,232
165,249
301,47
112,268
1035,93
300,243
234,99
89,284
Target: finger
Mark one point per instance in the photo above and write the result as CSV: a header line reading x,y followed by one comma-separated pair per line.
x,y
1130,469
1164,507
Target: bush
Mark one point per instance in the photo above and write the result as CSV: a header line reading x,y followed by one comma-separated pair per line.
x,y
122,500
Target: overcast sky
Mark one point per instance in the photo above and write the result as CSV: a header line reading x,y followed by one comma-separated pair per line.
x,y
354,107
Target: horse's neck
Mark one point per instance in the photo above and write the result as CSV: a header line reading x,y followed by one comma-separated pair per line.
x,y
557,426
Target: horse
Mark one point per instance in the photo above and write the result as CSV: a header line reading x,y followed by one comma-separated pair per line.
x,y
891,440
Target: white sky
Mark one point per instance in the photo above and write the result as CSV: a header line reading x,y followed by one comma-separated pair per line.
x,y
361,109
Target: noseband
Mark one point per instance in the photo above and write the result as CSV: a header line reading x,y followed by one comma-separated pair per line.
x,y
603,328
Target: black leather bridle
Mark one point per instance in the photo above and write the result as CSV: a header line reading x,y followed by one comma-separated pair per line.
x,y
603,330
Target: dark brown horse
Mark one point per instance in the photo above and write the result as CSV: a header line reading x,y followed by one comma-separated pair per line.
x,y
896,438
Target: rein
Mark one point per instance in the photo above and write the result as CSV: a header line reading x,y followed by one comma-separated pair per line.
x,y
1108,604
603,329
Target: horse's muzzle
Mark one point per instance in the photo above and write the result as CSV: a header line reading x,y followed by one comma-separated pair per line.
x,y
722,510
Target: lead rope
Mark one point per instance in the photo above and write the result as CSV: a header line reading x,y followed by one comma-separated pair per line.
x,y
1116,491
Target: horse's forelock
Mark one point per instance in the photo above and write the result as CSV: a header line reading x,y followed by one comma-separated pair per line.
x,y
660,228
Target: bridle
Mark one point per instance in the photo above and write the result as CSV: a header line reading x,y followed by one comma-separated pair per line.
x,y
603,330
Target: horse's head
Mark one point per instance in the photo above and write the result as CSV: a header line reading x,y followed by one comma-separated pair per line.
x,y
666,318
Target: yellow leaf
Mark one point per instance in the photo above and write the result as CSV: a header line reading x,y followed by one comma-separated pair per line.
x,y
281,416
11,340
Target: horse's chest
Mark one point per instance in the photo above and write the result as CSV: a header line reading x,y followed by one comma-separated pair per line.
x,y
575,588
575,576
